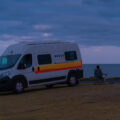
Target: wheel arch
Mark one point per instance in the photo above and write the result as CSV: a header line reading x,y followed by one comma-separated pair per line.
x,y
21,77
71,72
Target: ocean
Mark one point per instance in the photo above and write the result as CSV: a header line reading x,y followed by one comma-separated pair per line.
x,y
112,70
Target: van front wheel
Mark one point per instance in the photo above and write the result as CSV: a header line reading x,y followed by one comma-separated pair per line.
x,y
18,86
72,80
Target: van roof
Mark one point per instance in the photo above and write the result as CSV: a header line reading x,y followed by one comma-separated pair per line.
x,y
23,46
42,42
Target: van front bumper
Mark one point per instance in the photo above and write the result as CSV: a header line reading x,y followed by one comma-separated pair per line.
x,y
5,83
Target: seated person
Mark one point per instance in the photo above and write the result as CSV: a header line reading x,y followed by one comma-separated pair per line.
x,y
98,74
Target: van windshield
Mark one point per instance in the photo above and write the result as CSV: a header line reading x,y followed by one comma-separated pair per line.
x,y
8,61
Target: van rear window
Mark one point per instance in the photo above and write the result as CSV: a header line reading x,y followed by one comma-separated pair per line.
x,y
44,59
70,55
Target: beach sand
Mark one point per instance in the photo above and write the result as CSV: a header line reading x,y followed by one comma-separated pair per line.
x,y
83,102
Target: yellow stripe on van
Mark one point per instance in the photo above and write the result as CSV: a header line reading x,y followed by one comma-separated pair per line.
x,y
57,67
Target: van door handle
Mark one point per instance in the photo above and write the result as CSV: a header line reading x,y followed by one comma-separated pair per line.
x,y
33,69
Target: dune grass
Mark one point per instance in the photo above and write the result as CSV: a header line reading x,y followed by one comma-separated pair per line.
x,y
83,102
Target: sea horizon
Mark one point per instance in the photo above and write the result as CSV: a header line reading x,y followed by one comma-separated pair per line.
x,y
112,70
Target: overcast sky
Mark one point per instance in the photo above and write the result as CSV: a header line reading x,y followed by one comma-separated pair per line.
x,y
93,24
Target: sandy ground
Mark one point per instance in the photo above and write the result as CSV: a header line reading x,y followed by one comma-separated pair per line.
x,y
83,102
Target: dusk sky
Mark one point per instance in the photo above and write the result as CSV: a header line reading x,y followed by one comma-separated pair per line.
x,y
93,24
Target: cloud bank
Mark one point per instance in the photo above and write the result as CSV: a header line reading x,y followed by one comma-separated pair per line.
x,y
86,22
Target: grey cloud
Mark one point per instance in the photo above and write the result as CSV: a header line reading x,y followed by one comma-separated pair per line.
x,y
88,22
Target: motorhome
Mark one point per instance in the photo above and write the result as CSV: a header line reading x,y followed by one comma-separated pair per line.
x,y
28,64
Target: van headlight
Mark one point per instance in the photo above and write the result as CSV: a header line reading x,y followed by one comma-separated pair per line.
x,y
4,74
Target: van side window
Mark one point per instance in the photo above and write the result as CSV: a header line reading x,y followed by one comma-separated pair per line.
x,y
25,62
70,55
44,59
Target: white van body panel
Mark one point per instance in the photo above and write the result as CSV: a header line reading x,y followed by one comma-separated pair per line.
x,y
55,49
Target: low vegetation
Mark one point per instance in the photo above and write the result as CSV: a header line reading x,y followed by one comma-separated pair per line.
x,y
94,79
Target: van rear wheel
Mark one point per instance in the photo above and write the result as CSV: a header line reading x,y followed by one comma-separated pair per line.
x,y
18,86
72,80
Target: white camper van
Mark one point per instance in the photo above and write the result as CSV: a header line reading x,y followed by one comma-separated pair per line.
x,y
40,63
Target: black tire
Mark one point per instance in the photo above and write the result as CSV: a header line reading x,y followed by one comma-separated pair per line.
x,y
49,86
72,80
18,86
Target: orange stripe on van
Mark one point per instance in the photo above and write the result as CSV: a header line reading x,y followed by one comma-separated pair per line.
x,y
58,67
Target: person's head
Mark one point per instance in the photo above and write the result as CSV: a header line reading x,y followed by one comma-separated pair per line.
x,y
97,66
